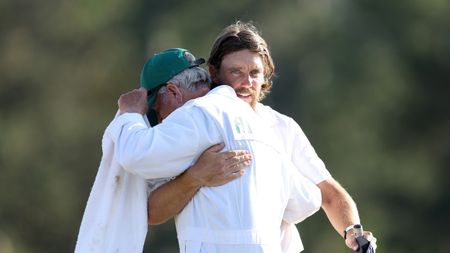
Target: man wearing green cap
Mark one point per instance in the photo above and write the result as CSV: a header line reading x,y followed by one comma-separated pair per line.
x,y
115,217
243,215
159,74
159,69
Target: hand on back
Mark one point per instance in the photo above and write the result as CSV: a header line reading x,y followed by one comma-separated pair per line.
x,y
215,168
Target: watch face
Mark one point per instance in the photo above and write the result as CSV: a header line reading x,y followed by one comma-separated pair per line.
x,y
357,230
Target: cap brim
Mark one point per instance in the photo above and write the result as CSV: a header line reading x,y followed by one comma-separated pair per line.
x,y
198,62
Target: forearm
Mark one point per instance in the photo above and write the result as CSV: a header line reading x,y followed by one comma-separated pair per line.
x,y
213,168
338,205
169,199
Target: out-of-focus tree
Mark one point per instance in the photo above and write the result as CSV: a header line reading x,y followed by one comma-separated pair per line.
x,y
368,82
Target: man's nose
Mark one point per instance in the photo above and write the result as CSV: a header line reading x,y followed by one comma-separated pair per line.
x,y
247,81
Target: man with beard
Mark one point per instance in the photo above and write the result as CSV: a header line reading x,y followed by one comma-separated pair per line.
x,y
241,59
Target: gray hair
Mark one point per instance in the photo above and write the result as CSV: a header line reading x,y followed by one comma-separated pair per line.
x,y
191,79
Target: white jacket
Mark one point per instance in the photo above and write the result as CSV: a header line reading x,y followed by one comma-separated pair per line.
x,y
110,225
115,218
248,210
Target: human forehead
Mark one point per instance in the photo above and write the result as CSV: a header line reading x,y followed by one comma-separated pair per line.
x,y
242,59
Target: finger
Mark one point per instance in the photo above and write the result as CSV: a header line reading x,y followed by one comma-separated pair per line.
x,y
140,91
241,164
373,240
368,235
215,148
243,158
227,156
351,243
234,162
231,154
133,91
236,174
247,157
227,178
236,153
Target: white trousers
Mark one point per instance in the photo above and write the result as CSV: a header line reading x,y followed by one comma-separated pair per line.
x,y
202,247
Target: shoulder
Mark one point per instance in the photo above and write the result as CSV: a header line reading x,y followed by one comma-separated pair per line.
x,y
274,117
222,92
221,98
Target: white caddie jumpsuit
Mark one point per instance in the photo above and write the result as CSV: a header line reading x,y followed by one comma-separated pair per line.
x,y
243,215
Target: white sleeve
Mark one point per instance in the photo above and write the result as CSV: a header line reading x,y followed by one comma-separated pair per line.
x,y
165,150
305,157
305,199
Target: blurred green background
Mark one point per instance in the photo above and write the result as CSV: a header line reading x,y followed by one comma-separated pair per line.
x,y
368,81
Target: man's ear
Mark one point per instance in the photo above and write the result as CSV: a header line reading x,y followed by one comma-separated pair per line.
x,y
213,72
175,92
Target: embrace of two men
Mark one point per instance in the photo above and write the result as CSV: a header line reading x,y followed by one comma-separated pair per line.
x,y
236,175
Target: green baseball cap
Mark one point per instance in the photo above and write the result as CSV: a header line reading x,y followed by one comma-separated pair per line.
x,y
161,68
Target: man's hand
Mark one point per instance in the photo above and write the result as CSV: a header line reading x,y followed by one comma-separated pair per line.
x,y
215,168
133,101
351,240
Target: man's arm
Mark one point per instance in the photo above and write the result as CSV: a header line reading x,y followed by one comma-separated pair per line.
x,y
336,202
341,210
211,169
165,150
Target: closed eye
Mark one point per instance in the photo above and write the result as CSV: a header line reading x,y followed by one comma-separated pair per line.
x,y
236,72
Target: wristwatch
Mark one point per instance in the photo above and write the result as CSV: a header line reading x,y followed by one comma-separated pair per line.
x,y
356,230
